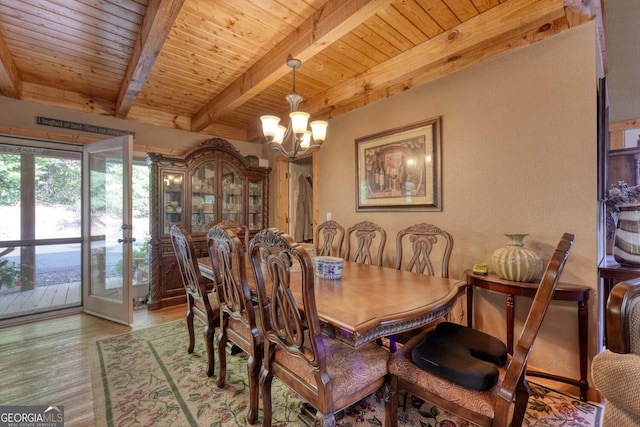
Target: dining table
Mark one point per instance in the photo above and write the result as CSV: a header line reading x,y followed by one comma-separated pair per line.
x,y
370,302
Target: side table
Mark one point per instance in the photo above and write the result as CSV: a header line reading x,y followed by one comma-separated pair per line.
x,y
563,292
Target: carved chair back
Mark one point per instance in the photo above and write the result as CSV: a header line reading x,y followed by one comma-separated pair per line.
x,y
199,305
240,230
422,239
369,239
237,317
329,238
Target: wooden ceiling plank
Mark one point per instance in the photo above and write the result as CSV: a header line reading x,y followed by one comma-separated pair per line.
x,y
51,40
506,20
403,24
419,17
220,17
96,14
388,31
10,81
26,57
65,17
463,9
328,24
25,49
362,51
375,41
440,13
160,17
484,5
445,67
44,24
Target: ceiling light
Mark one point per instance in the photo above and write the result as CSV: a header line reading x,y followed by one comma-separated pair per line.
x,y
295,139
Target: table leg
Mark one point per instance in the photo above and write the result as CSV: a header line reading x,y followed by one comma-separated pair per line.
x,y
470,306
510,312
583,337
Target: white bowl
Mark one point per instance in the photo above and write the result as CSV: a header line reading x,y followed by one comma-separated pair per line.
x,y
329,267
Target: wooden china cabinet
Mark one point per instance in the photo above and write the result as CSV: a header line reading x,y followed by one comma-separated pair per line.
x,y
210,183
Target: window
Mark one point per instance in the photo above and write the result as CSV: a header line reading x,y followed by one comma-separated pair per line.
x,y
41,227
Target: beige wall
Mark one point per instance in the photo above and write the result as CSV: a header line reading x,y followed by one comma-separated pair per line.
x,y
22,114
519,155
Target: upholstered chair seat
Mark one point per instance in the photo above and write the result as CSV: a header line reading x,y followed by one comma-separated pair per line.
x,y
351,370
482,402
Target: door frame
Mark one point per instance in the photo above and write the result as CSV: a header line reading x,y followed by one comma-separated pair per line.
x,y
282,177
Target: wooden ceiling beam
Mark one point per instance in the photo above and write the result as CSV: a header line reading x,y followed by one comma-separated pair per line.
x,y
446,67
10,81
157,24
328,24
505,21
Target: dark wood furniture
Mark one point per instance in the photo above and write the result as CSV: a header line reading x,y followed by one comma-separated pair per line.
x,y
505,403
328,239
416,245
237,315
209,184
371,313
201,304
369,239
616,371
326,373
611,273
563,292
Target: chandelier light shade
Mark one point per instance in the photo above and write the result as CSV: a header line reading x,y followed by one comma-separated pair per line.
x,y
295,139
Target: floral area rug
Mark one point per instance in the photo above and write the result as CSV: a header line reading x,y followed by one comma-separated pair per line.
x,y
147,378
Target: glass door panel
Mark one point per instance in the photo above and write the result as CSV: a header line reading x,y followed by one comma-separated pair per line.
x,y
107,194
203,198
232,207
255,205
172,199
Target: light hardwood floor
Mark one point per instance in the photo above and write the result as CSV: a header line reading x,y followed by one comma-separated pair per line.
x,y
47,362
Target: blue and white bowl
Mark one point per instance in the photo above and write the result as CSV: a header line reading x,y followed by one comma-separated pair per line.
x,y
329,267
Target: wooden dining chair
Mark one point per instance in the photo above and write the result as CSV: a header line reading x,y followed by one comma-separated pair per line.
x,y
201,304
326,373
369,239
424,244
237,315
329,238
240,230
421,239
505,402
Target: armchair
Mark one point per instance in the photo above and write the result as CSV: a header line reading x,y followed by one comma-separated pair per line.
x,y
616,371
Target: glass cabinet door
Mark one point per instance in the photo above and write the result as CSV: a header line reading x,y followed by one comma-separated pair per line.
x,y
203,198
172,199
255,204
232,207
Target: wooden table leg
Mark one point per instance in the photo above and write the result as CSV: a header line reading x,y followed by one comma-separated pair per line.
x,y
510,311
583,339
470,306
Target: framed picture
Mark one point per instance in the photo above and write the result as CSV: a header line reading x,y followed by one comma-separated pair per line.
x,y
400,169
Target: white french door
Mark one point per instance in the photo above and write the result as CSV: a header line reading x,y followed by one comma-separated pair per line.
x,y
107,278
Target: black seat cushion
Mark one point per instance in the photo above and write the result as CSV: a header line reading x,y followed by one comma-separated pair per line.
x,y
462,355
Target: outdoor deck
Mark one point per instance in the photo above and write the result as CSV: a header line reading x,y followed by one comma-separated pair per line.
x,y
40,299
52,297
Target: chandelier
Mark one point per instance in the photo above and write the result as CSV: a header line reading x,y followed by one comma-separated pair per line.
x,y
295,139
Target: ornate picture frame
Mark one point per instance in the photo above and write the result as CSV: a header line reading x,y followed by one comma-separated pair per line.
x,y
400,169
